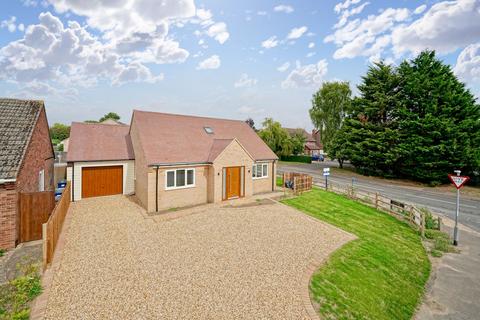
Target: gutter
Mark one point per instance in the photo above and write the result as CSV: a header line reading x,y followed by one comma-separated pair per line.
x,y
176,164
7,180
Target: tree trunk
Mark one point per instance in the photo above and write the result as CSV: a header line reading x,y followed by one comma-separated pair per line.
x,y
340,162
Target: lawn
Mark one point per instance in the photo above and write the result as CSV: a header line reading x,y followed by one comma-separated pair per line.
x,y
381,275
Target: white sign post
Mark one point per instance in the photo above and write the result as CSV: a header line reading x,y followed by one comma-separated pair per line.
x,y
458,181
326,173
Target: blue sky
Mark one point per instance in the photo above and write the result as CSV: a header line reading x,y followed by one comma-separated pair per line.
x,y
233,59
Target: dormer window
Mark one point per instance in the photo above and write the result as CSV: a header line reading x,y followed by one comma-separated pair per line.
x,y
208,130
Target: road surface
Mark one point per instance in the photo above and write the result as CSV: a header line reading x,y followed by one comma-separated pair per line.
x,y
438,201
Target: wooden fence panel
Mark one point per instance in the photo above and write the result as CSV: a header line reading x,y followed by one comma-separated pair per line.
x,y
35,209
53,227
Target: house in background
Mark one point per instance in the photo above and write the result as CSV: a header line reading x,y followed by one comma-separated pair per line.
x,y
313,145
26,160
169,160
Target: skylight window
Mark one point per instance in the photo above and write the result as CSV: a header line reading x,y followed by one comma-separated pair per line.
x,y
208,130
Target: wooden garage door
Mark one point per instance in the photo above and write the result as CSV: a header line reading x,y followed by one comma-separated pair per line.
x,y
102,181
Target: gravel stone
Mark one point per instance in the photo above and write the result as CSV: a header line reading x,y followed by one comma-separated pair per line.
x,y
216,262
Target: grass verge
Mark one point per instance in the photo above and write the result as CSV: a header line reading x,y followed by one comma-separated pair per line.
x,y
16,295
381,275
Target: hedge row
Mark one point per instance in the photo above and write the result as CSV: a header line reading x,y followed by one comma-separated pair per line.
x,y
304,159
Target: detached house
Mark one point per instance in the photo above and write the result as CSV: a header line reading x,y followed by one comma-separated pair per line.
x,y
26,160
169,160
313,145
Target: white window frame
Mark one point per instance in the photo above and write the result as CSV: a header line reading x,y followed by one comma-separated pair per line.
x,y
41,180
175,179
264,172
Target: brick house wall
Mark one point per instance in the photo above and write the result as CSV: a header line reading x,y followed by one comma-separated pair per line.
x,y
38,155
8,215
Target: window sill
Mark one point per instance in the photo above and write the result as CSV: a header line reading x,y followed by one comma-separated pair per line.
x,y
258,178
179,188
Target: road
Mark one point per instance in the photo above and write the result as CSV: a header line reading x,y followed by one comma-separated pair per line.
x,y
438,201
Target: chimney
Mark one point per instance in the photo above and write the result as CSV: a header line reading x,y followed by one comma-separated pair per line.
x,y
316,135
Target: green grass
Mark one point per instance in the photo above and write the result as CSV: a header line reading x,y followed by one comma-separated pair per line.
x,y
279,181
381,275
16,295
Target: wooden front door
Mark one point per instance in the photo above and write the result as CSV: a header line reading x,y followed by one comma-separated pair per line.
x,y
102,181
233,182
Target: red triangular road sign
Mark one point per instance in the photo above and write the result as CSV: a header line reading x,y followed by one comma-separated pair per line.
x,y
458,181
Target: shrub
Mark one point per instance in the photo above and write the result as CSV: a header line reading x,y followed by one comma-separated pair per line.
x,y
442,244
304,159
436,253
2,252
430,221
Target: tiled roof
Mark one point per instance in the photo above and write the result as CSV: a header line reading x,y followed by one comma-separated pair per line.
x,y
170,138
292,131
17,120
97,142
312,146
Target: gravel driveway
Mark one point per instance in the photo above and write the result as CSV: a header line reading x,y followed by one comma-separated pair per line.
x,y
215,262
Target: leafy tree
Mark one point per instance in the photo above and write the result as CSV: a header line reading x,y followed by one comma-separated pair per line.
x,y
298,143
110,115
439,121
276,137
251,123
369,134
329,105
59,131
90,121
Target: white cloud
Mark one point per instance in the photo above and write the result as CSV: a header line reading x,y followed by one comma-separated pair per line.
x,y
296,33
10,24
311,45
245,81
346,14
445,27
310,54
283,8
119,18
250,110
367,37
420,9
468,63
270,42
262,13
284,67
203,14
219,32
212,62
306,76
67,55
345,5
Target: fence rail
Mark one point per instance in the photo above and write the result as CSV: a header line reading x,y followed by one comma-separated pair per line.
x,y
402,211
52,228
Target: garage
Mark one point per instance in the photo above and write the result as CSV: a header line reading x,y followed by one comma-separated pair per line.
x,y
102,181
100,160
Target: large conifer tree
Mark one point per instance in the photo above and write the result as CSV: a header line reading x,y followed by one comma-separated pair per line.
x,y
438,121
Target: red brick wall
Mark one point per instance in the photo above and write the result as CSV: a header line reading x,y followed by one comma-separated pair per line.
x,y
39,155
8,215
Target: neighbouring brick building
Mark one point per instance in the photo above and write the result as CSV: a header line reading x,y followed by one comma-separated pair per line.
x,y
313,145
26,160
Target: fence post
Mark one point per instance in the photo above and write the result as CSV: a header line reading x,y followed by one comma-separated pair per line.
x,y
44,245
439,223
422,227
410,215
376,200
